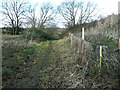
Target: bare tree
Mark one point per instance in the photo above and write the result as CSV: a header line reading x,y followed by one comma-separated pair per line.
x,y
44,17
31,19
68,10
47,15
14,12
87,12
76,12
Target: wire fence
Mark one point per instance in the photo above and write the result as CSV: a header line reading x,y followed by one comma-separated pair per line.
x,y
88,56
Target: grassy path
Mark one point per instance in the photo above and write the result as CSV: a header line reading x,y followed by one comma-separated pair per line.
x,y
35,71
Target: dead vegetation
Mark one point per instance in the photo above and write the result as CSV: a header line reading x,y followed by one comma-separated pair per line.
x,y
57,64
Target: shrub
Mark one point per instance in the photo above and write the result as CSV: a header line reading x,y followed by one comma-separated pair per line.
x,y
101,40
9,30
37,35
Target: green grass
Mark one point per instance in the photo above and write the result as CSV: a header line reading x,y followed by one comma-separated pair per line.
x,y
14,56
6,70
100,40
10,37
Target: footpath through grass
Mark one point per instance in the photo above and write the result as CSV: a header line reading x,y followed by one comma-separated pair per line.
x,y
49,64
25,66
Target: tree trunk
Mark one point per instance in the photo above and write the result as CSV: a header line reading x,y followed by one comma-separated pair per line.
x,y
13,27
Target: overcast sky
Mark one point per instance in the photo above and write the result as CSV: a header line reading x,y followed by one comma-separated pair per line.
x,y
107,7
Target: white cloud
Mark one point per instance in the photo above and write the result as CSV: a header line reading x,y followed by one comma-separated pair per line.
x,y
107,7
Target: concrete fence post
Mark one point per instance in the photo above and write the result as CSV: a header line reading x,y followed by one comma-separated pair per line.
x,y
100,62
83,33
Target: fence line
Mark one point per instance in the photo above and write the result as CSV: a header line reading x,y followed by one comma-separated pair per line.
x,y
88,55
